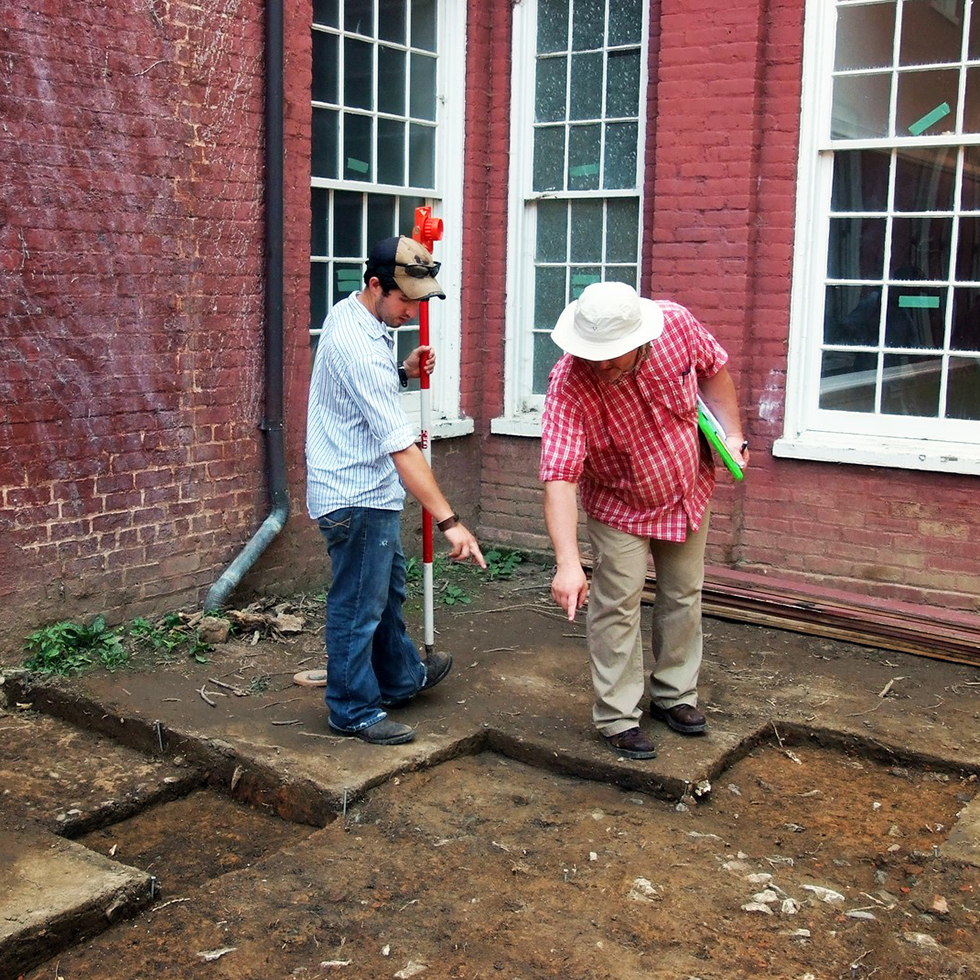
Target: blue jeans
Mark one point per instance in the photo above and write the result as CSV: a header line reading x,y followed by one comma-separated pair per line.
x,y
370,657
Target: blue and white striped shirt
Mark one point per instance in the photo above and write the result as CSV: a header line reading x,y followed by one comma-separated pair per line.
x,y
354,419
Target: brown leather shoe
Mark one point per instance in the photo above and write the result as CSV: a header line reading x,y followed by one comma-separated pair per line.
x,y
683,718
633,744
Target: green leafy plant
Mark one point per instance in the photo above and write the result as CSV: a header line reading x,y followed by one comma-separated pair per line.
x,y
453,595
167,636
67,648
502,563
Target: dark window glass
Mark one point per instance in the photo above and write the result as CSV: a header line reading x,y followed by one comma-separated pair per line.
x,y
324,88
916,317
358,74
347,211
359,17
852,315
357,147
323,143
856,248
860,180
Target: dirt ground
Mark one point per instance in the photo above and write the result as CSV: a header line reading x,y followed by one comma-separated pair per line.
x,y
811,858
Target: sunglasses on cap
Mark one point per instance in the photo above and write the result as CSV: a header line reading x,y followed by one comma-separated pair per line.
x,y
418,271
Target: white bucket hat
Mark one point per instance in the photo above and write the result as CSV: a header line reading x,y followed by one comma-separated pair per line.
x,y
607,321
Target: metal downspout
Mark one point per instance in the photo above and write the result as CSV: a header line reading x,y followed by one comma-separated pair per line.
x,y
272,425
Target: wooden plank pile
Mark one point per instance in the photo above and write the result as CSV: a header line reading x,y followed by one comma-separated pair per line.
x,y
764,600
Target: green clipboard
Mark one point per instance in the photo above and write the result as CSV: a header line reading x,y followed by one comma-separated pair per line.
x,y
715,435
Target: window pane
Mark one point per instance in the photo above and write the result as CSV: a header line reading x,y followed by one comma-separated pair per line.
x,y
552,25
963,390
968,250
860,106
357,147
926,103
860,180
359,17
588,24
910,385
625,22
347,211
583,158
551,239
966,319
380,218
347,279
582,276
421,156
391,81
852,315
406,214
323,143
549,158
319,200
318,294
622,273
546,354
392,19
864,37
931,32
971,103
549,89
326,12
623,84
423,87
971,179
586,95
358,74
424,24
622,225
925,179
916,317
973,48
620,159
549,295
920,248
586,231
856,248
324,87
847,381
391,151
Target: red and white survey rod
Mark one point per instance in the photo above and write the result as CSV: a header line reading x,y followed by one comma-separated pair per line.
x,y
427,230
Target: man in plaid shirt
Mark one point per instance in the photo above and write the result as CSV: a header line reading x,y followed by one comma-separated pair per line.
x,y
620,430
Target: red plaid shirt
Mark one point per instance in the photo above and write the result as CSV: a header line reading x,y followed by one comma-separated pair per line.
x,y
633,447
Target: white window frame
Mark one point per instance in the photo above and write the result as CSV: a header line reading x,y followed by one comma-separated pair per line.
x,y
808,431
522,409
445,316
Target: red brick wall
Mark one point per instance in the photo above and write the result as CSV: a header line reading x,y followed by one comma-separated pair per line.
x,y
720,202
131,256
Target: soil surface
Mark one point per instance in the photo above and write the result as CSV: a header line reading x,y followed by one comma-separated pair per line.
x,y
818,852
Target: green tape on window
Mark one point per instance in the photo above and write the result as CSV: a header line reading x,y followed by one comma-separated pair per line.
x,y
358,165
919,302
584,171
346,287
918,128
345,275
584,279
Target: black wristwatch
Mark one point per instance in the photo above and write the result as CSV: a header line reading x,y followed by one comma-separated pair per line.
x,y
403,375
451,521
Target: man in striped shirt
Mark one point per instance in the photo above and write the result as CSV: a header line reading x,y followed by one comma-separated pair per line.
x,y
620,430
361,457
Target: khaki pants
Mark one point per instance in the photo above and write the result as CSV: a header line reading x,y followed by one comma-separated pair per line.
x,y
613,623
